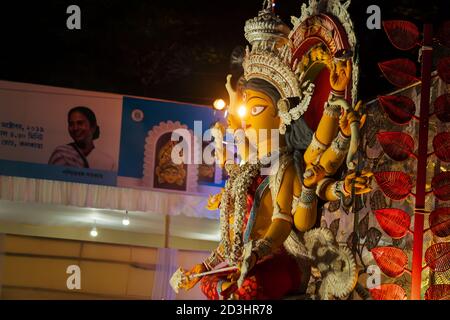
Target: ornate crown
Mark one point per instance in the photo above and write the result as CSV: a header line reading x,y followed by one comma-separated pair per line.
x,y
270,56
266,27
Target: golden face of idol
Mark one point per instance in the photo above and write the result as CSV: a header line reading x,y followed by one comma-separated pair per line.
x,y
260,112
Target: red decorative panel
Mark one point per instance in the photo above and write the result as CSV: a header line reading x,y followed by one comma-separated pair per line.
x,y
388,291
399,72
442,107
396,185
318,28
438,256
394,222
441,145
438,292
402,34
392,261
397,145
399,109
441,186
439,221
443,68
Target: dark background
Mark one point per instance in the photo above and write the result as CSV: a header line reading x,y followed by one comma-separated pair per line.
x,y
176,50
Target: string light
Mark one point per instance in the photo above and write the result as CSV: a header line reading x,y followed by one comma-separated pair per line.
x,y
126,219
94,232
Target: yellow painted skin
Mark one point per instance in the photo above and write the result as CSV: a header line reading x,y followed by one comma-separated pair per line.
x,y
262,115
340,73
326,131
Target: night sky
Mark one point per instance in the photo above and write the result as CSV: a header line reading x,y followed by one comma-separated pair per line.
x,y
176,50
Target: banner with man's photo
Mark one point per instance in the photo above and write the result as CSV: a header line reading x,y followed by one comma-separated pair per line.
x,y
100,138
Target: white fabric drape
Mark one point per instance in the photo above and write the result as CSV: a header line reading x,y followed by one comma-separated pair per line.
x,y
103,197
166,265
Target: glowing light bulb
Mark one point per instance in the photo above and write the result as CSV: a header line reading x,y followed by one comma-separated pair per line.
x,y
126,220
242,111
94,232
219,104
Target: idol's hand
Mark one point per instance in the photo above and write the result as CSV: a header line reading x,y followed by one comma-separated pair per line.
x,y
218,132
233,119
361,183
348,117
313,174
214,201
231,92
341,72
187,281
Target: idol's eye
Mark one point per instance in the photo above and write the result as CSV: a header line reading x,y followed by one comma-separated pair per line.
x,y
257,110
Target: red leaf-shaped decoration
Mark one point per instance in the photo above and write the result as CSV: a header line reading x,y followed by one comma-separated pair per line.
x,y
395,184
402,34
400,109
441,186
394,222
438,256
388,291
442,107
399,72
438,292
441,145
444,34
392,261
397,145
439,221
443,68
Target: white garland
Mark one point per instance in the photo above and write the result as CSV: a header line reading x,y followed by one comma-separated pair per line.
x,y
234,202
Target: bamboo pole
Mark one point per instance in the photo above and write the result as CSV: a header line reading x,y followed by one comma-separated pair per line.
x,y
422,164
